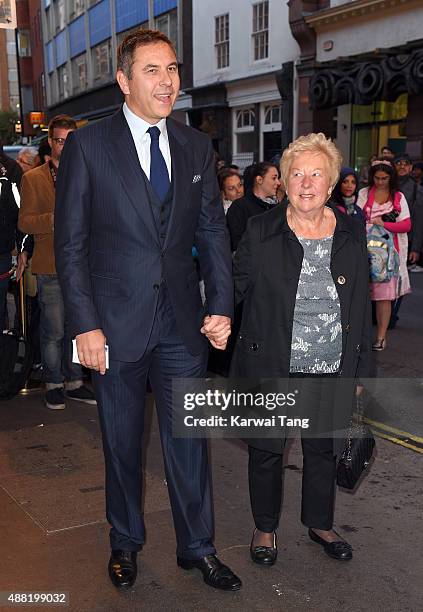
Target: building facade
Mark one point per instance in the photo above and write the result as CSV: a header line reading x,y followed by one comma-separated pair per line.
x,y
81,39
243,77
361,74
31,65
9,85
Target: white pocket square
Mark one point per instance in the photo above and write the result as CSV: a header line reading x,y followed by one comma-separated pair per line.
x,y
197,177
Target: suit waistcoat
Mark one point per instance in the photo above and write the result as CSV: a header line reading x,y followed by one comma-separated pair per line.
x,y
161,210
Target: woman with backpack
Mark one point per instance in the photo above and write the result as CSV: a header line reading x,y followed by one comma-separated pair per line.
x,y
387,222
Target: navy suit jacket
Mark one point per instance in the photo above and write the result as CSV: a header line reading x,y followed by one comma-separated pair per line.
x,y
108,254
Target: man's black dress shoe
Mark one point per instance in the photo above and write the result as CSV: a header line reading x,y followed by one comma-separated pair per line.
x,y
123,568
215,574
340,550
264,555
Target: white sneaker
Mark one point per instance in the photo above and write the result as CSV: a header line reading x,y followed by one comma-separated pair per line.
x,y
415,268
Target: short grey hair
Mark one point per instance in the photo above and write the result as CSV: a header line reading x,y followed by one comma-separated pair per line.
x,y
314,143
30,153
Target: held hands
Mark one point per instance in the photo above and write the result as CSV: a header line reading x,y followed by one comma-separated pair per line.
x,y
414,257
91,351
217,329
22,263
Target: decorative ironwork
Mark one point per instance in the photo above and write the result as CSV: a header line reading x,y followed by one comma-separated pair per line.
x,y
365,82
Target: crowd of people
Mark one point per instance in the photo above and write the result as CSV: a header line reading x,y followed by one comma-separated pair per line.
x,y
387,193
114,211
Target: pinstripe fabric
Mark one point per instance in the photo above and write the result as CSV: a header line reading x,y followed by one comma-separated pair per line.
x,y
108,253
117,274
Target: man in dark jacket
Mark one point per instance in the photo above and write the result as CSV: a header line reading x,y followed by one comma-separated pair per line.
x,y
414,195
10,237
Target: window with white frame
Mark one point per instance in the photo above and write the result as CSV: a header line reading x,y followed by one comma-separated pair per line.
x,y
245,118
102,61
63,82
79,73
271,137
221,40
245,138
261,30
168,24
272,114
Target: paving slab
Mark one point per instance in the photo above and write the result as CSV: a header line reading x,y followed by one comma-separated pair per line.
x,y
382,520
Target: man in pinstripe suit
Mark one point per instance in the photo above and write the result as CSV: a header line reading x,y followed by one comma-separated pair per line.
x,y
137,191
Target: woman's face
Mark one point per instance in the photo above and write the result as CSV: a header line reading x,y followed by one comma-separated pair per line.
x,y
381,180
309,181
348,186
269,183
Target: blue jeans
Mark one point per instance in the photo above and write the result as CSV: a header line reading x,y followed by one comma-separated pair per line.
x,y
5,263
55,343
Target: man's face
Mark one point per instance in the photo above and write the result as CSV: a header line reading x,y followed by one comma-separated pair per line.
x,y
387,153
57,142
233,189
403,167
153,87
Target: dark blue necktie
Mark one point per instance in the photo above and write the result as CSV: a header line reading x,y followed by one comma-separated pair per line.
x,y
159,176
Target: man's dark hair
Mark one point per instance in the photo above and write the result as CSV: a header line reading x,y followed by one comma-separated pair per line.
x,y
61,121
129,45
224,174
386,148
44,149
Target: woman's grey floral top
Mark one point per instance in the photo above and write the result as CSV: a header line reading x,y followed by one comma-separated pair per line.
x,y
316,345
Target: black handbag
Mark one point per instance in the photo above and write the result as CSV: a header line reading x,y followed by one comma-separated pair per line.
x,y
358,451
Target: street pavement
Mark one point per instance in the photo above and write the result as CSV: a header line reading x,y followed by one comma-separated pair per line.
x,y
395,399
54,537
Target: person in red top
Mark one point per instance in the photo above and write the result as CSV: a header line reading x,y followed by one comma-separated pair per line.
x,y
384,205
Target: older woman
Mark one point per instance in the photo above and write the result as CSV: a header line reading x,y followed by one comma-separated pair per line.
x,y
301,271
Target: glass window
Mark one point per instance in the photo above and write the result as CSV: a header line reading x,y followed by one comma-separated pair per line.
x,y
168,24
221,40
245,118
245,142
49,24
63,79
102,62
122,35
60,15
79,73
76,8
272,114
24,45
261,30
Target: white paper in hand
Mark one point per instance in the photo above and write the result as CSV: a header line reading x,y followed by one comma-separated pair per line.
x,y
75,357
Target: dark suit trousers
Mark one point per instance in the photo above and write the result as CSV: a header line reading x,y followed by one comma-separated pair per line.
x,y
265,471
120,395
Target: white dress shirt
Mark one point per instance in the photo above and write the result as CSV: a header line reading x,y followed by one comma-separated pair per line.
x,y
142,140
